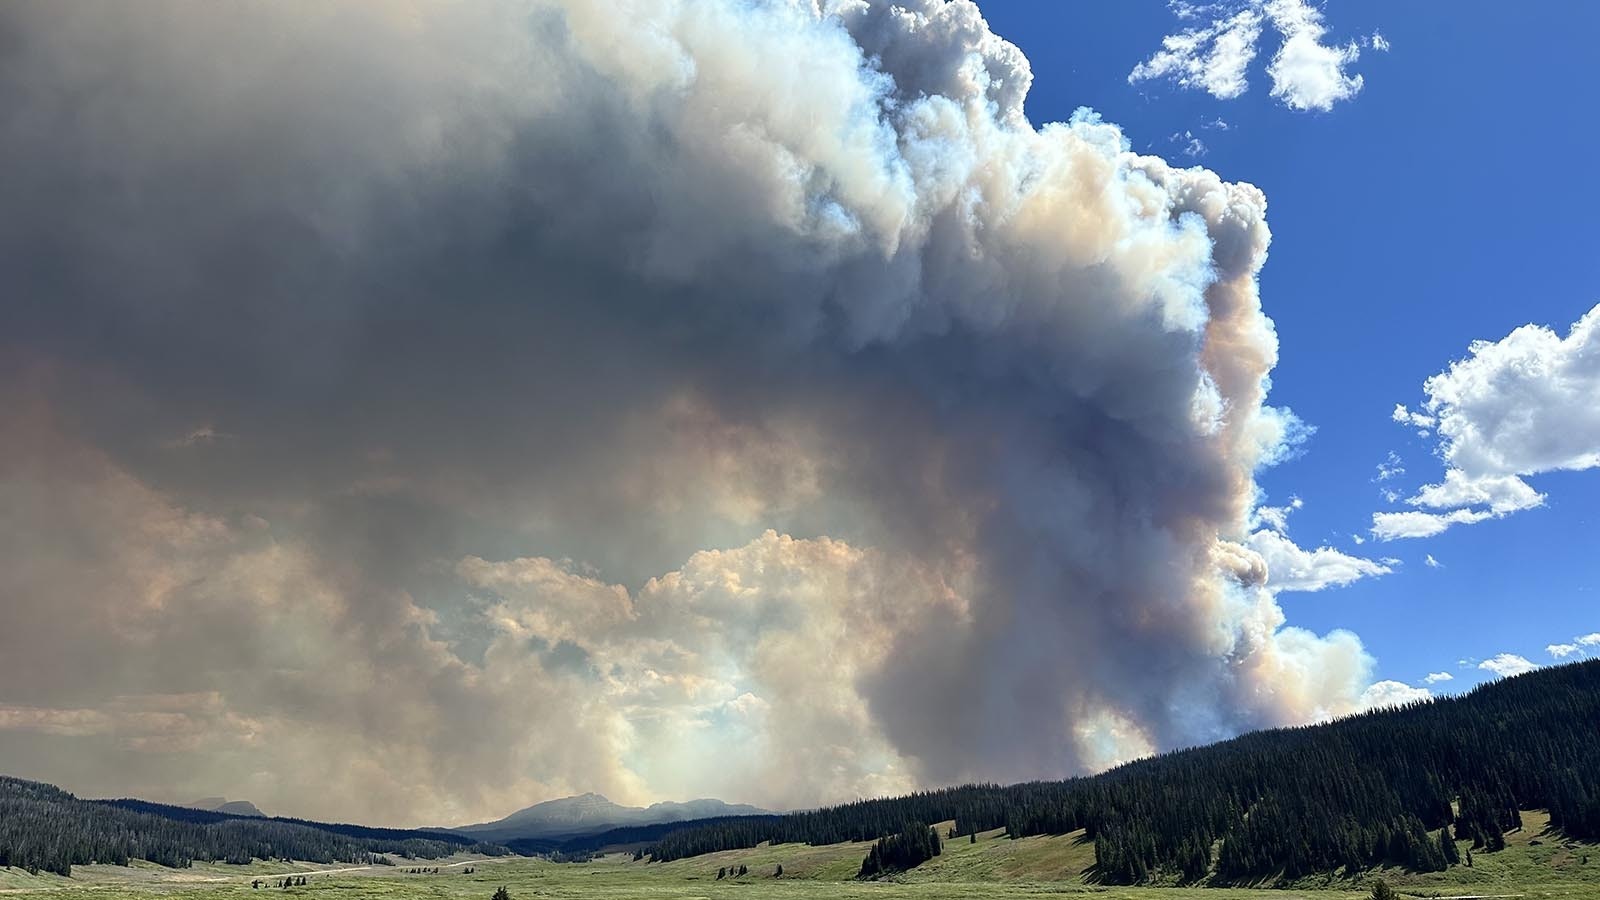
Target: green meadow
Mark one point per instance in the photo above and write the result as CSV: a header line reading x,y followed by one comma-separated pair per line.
x,y
1536,864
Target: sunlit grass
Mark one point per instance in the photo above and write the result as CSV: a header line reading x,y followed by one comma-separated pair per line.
x,y
1536,864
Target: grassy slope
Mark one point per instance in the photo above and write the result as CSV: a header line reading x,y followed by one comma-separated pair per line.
x,y
1028,868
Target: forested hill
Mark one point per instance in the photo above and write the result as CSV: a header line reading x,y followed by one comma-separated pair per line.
x,y
43,828
1387,787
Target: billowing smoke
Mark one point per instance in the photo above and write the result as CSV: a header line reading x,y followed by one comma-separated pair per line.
x,y
366,366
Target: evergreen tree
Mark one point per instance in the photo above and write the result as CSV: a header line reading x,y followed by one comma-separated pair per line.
x,y
1447,847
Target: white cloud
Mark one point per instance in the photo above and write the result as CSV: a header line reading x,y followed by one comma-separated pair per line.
x,y
1501,493
1306,72
1378,42
1292,568
1392,693
1392,467
1516,407
1561,651
1277,517
1507,664
1213,58
1390,526
1437,677
1420,421
1431,562
1590,640
1189,145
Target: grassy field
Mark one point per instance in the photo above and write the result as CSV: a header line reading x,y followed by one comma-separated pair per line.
x,y
1535,865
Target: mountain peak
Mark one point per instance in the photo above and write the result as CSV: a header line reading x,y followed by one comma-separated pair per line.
x,y
224,805
590,812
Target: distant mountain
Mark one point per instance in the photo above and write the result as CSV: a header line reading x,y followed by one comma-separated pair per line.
x,y
224,805
592,813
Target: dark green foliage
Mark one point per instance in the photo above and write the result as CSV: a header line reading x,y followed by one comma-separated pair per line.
x,y
914,845
779,873
572,856
501,894
1343,796
43,828
1447,847
1382,891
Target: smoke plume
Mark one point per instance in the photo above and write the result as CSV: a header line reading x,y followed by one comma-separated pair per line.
x,y
418,409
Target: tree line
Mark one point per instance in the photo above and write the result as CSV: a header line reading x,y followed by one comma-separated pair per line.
x,y
1397,786
46,829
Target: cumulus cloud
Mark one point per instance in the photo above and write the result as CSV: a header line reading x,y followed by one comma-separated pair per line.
x,y
1561,651
1505,665
1384,694
1438,677
1589,640
1307,73
1512,408
608,407
1292,568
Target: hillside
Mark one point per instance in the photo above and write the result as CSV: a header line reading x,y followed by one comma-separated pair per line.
x,y
591,813
43,828
1395,787
1430,793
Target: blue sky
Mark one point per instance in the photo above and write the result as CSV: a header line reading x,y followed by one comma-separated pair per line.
x,y
1445,203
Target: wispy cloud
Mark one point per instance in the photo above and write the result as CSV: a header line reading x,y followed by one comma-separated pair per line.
x,y
1307,73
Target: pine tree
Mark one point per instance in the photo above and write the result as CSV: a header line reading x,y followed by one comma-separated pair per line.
x,y
1447,847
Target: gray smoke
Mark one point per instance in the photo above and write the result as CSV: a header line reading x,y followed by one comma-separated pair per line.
x,y
366,366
